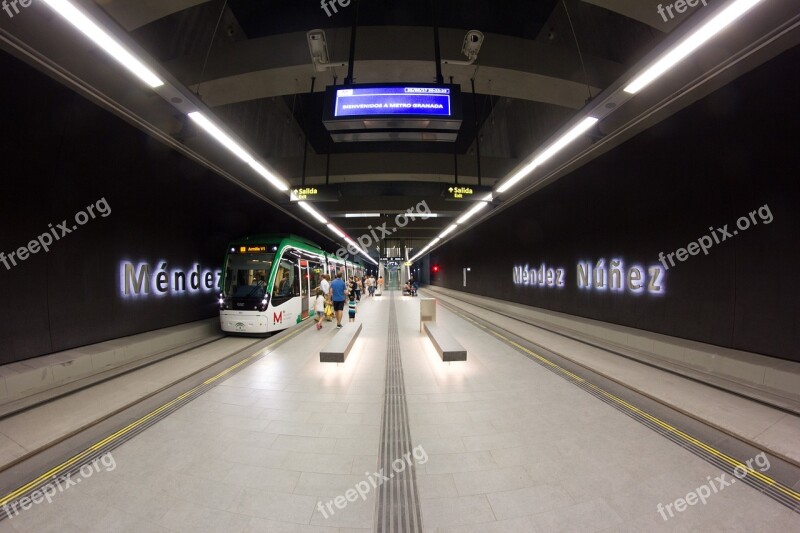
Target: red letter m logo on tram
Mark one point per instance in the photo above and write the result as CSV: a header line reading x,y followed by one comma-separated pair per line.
x,y
277,318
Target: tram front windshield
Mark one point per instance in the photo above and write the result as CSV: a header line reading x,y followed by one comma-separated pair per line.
x,y
246,276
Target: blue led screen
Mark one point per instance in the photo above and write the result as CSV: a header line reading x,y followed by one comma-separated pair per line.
x,y
393,100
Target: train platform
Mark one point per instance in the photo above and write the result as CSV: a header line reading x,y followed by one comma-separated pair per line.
x,y
525,435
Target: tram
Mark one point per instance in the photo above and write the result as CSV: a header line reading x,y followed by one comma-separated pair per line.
x,y
269,282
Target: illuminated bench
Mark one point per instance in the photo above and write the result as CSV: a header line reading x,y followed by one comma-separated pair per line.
x,y
340,345
448,347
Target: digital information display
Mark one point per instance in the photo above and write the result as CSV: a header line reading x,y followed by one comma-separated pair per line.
x,y
393,100
252,249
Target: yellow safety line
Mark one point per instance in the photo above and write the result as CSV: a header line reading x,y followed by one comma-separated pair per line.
x,y
730,460
127,429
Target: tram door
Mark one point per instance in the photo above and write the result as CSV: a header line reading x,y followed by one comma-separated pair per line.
x,y
305,290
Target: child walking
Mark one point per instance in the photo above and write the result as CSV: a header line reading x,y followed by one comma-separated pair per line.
x,y
319,307
351,307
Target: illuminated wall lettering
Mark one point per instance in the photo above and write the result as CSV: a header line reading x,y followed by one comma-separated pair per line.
x,y
598,276
543,277
140,280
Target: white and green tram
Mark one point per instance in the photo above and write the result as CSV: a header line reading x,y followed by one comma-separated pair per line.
x,y
269,282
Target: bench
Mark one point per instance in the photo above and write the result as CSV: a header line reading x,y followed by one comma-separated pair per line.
x,y
340,345
448,347
427,311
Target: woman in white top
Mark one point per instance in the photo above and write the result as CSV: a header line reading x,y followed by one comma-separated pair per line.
x,y
319,307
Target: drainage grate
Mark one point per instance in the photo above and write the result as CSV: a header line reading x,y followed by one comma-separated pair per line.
x,y
397,507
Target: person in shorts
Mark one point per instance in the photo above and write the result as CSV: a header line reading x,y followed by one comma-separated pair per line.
x,y
338,291
352,307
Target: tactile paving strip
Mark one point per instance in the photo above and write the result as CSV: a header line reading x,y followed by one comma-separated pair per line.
x,y
397,507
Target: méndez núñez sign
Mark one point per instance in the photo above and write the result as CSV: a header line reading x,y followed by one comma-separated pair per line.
x,y
597,275
140,280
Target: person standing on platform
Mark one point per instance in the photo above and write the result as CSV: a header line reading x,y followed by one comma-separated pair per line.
x,y
319,307
352,286
352,307
338,289
325,285
368,285
380,285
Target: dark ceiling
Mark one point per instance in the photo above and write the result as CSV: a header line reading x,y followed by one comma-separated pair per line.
x,y
518,18
247,63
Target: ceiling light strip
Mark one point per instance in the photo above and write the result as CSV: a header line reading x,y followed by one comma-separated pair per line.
x,y
549,152
472,212
236,149
101,37
313,212
104,40
339,233
676,54
691,43
448,231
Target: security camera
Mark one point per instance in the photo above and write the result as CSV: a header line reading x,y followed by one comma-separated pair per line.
x,y
318,46
472,44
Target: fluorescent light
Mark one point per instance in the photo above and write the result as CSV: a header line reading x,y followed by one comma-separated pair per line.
x,y
551,150
527,169
567,138
362,215
237,149
309,208
471,213
272,178
337,231
105,41
448,231
363,252
223,138
691,43
353,243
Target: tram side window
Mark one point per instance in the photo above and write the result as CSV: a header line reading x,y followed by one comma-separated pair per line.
x,y
285,285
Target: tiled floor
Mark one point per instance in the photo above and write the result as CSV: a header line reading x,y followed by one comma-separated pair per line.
x,y
513,447
49,422
507,446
